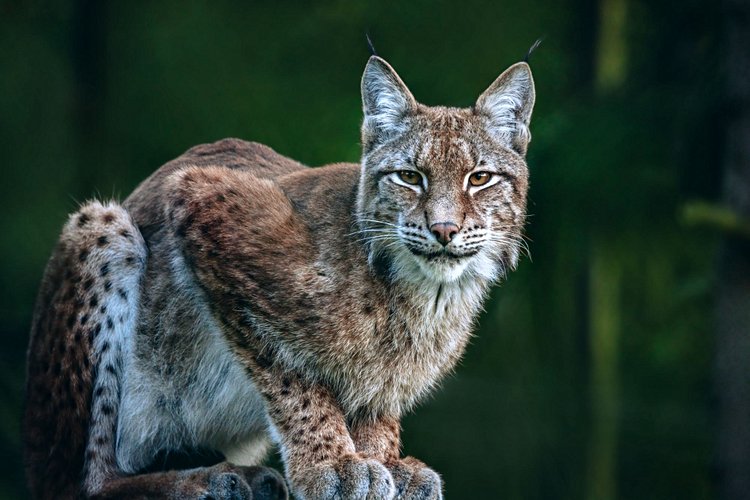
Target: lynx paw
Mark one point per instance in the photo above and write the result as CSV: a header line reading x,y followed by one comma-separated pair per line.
x,y
227,485
415,481
231,483
265,483
350,478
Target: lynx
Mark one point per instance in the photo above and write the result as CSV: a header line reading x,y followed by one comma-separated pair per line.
x,y
239,299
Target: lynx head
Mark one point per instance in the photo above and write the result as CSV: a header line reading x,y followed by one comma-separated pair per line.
x,y
442,192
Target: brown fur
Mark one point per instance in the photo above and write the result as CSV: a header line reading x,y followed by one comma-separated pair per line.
x,y
61,364
338,321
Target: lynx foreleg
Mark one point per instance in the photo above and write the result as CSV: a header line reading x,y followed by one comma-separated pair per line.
x,y
380,439
320,457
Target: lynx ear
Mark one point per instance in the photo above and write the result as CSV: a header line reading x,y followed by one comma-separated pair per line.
x,y
386,102
507,105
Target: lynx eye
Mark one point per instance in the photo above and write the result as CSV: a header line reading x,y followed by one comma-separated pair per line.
x,y
479,178
410,177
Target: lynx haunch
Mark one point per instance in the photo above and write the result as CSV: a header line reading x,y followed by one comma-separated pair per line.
x,y
238,299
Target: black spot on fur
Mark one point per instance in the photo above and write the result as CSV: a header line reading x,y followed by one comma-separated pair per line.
x,y
110,324
182,229
122,293
107,286
107,409
264,361
83,219
88,283
83,255
102,241
104,270
93,301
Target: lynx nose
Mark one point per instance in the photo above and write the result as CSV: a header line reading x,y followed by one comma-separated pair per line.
x,y
444,232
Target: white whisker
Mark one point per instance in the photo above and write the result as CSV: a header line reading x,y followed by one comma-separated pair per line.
x,y
379,222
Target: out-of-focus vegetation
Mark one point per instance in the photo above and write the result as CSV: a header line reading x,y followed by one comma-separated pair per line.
x,y
590,376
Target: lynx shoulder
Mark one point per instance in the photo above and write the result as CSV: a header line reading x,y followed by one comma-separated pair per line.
x,y
239,299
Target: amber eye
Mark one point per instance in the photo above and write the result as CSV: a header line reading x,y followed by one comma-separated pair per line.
x,y
479,178
410,177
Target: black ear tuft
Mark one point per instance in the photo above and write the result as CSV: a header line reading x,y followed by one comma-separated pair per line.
x,y
533,47
370,46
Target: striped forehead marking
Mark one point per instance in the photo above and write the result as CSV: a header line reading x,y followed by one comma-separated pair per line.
x,y
446,151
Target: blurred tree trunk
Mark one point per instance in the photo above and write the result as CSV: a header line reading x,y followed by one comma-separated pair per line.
x,y
88,57
733,294
605,277
605,283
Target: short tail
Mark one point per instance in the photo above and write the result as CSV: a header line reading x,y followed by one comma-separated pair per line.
x,y
84,317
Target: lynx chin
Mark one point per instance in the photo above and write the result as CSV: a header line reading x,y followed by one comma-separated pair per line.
x,y
238,299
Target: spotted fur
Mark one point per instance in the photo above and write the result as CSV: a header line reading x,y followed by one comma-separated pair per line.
x,y
238,297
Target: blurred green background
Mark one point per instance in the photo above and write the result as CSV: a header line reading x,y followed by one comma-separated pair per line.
x,y
591,373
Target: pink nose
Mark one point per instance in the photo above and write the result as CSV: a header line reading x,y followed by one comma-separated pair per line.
x,y
444,232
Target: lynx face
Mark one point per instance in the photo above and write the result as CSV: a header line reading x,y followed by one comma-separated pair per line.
x,y
443,190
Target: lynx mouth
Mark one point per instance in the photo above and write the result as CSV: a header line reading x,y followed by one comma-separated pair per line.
x,y
442,255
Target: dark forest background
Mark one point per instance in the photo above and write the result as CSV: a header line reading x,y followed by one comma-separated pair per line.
x,y
613,365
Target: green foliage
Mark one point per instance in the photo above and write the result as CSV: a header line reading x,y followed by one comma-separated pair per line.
x,y
91,105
